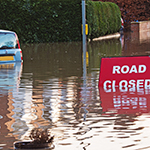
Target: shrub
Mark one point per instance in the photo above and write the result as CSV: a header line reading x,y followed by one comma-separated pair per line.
x,y
42,20
103,18
57,20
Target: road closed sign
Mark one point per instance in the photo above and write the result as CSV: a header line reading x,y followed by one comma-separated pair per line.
x,y
125,72
124,84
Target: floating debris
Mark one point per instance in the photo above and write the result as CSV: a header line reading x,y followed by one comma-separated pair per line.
x,y
40,139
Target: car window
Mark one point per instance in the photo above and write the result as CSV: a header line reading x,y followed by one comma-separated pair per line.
x,y
8,41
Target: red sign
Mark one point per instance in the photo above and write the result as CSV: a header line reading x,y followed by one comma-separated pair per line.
x,y
125,71
124,84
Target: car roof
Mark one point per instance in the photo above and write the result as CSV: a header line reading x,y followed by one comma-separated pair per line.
x,y
6,31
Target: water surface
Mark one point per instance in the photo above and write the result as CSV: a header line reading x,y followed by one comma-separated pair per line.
x,y
47,91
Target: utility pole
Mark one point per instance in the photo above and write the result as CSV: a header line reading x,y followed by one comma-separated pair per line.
x,y
84,57
84,37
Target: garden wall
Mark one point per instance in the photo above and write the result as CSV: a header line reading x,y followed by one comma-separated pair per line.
x,y
140,31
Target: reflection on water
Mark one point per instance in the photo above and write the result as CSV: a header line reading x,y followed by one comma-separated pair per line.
x,y
9,85
47,91
134,46
126,100
106,48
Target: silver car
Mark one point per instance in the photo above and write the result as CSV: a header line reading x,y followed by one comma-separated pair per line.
x,y
9,47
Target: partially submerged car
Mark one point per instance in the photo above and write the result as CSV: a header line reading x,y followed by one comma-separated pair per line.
x,y
9,47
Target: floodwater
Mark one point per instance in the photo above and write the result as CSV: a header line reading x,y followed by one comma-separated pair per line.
x,y
47,90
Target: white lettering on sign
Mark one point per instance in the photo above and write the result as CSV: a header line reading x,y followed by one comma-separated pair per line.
x,y
109,85
126,69
133,83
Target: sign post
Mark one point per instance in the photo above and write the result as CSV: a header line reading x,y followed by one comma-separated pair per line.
x,y
84,56
84,37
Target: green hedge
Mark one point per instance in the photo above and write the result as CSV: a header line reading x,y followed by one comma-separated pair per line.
x,y
42,20
103,18
57,20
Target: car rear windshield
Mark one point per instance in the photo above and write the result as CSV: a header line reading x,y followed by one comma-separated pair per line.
x,y
8,41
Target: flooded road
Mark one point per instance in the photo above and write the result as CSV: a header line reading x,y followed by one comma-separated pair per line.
x,y
47,91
